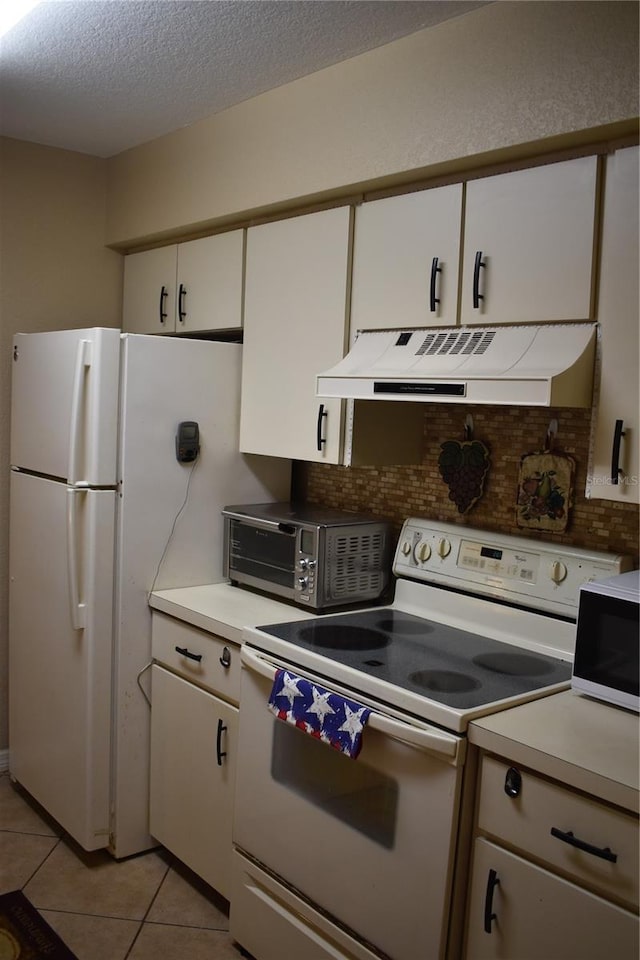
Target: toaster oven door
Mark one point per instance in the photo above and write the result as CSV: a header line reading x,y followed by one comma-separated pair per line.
x,y
263,555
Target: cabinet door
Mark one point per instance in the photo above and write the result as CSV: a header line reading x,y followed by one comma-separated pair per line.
x,y
533,232
149,299
294,327
618,314
209,293
406,254
193,742
518,910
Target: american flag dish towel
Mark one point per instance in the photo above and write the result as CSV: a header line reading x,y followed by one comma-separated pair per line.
x,y
324,715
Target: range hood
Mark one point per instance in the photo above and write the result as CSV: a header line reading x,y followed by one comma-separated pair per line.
x,y
529,365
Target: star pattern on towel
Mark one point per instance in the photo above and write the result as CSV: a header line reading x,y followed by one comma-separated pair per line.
x,y
290,688
353,724
320,706
326,716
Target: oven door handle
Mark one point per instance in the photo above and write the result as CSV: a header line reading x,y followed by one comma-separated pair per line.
x,y
446,746
431,740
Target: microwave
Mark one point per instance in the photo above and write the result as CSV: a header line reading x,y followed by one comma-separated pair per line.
x,y
314,556
606,658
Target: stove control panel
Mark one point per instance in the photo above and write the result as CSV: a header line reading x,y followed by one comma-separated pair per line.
x,y
533,573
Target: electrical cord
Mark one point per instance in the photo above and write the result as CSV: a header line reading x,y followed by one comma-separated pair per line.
x,y
173,527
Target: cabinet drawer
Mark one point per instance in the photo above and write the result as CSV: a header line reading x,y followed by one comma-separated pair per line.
x,y
197,655
525,822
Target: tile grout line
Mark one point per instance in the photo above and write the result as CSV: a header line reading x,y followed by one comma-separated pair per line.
x,y
142,922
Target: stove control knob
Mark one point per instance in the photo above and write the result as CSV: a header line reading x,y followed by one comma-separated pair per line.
x,y
557,571
444,548
406,548
422,552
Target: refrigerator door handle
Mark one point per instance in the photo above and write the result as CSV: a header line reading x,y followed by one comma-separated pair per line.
x,y
78,609
83,361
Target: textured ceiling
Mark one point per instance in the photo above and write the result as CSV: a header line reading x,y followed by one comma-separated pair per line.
x,y
100,76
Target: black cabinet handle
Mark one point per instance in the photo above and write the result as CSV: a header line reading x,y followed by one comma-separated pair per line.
x,y
618,433
477,296
163,295
219,752
492,883
322,413
435,270
604,853
187,653
182,292
225,659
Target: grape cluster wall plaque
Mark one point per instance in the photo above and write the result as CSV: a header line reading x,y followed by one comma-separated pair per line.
x,y
463,466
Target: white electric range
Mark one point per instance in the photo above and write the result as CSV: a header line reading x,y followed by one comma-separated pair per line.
x,y
480,622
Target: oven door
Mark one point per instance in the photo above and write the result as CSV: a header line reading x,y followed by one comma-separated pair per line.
x,y
370,841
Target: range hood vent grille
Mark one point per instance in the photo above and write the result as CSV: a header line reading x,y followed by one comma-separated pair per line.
x,y
463,342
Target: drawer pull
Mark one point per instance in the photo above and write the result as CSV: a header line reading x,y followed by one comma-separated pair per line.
x,y
187,653
225,659
604,853
489,916
220,753
513,782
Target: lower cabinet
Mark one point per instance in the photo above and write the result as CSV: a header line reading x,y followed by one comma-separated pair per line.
x,y
193,743
554,872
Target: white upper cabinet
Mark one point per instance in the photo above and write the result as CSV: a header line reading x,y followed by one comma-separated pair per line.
x,y
185,288
615,468
294,327
149,300
528,245
406,256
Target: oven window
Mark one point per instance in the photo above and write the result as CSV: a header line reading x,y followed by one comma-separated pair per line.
x,y
349,790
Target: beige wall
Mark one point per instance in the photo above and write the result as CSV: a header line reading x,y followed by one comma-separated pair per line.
x,y
55,273
510,73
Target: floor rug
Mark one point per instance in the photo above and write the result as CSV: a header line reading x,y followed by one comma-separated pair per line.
x,y
25,935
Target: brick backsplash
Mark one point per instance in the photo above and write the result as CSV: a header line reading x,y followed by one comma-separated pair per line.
x,y
509,432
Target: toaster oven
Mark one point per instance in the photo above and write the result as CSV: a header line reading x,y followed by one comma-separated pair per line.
x,y
312,555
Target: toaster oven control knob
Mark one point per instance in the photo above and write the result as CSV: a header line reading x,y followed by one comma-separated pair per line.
x,y
444,548
422,551
302,583
557,571
306,564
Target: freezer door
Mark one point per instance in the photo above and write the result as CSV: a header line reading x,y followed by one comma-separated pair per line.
x,y
64,406
60,676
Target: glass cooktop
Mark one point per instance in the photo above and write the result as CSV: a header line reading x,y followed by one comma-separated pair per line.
x,y
442,663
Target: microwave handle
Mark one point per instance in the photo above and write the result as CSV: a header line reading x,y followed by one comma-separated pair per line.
x,y
265,524
446,746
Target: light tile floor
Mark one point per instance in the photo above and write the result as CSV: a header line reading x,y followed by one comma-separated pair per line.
x,y
136,909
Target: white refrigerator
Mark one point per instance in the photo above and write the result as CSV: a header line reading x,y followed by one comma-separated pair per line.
x,y
102,512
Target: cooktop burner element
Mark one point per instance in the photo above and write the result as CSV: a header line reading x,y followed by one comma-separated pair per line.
x,y
514,664
347,638
456,667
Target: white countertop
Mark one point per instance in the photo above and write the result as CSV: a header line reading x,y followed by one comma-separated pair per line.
x,y
224,610
584,743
